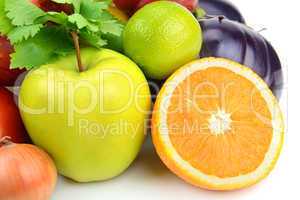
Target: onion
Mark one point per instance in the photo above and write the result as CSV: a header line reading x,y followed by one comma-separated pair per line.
x,y
26,172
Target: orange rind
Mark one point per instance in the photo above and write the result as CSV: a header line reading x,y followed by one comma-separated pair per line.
x,y
217,125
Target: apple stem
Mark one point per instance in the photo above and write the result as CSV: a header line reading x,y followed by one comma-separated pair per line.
x,y
6,140
77,47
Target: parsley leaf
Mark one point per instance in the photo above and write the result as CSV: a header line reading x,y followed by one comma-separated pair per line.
x,y
92,10
113,42
112,27
40,37
55,17
82,22
22,12
23,33
92,39
5,24
46,46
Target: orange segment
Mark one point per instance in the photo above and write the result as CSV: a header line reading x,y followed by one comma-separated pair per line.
x,y
195,116
213,125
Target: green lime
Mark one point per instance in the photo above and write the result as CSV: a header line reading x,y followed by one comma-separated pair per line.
x,y
161,37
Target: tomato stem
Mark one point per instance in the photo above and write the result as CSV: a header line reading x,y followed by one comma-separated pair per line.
x,y
77,47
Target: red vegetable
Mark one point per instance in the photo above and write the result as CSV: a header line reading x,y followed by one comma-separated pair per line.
x,y
26,172
48,5
126,5
131,6
7,75
10,120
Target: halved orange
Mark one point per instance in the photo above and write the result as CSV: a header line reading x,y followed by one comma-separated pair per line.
x,y
217,125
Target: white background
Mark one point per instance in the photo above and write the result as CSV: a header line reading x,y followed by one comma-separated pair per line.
x,y
148,178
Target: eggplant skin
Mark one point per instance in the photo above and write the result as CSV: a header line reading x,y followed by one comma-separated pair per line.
x,y
232,40
221,7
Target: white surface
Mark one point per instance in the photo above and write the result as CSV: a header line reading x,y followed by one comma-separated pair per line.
x,y
148,178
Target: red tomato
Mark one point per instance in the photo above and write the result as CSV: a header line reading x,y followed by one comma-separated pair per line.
x,y
126,5
10,120
7,76
131,6
48,5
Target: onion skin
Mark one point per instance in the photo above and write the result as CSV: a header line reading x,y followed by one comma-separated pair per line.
x,y
221,7
235,41
10,120
26,173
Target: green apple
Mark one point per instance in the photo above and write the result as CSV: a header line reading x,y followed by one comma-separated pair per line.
x,y
92,123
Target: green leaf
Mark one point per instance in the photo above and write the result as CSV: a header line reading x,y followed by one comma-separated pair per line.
x,y
58,18
112,27
92,10
21,33
106,16
76,4
5,24
64,51
113,42
38,42
82,22
78,20
41,49
22,12
92,39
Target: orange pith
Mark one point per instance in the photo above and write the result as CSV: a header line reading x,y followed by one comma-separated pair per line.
x,y
239,150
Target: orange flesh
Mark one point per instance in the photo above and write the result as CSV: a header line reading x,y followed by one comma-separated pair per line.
x,y
239,150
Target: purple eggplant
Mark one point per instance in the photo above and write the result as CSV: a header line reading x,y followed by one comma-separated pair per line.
x,y
221,7
233,40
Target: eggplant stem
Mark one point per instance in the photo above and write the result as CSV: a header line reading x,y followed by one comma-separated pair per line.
x,y
261,30
200,13
206,17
